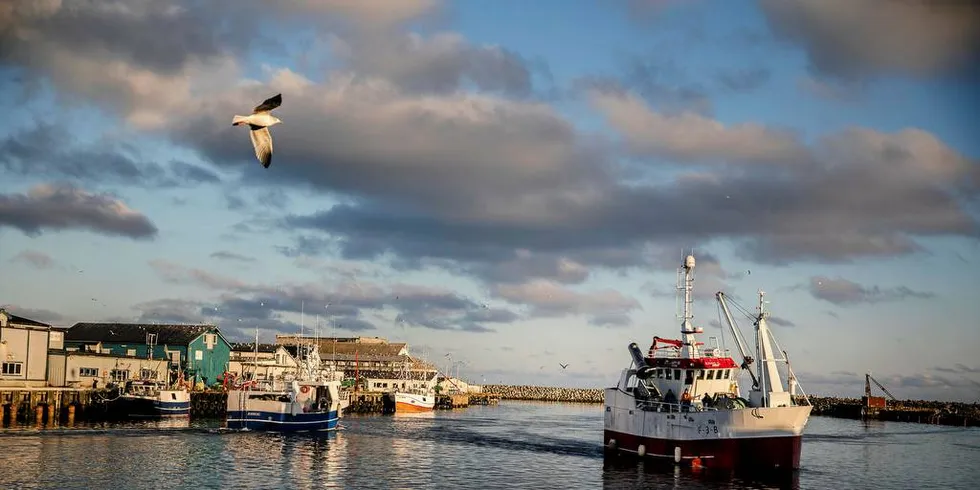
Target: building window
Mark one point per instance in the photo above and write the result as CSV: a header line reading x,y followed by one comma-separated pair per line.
x,y
119,374
12,368
89,372
131,352
148,374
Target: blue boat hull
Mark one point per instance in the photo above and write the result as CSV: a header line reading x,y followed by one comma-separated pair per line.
x,y
147,408
282,422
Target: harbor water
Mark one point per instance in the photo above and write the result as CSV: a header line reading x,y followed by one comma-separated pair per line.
x,y
512,445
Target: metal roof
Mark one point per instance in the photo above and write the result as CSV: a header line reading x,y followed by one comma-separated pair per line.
x,y
135,333
19,320
250,347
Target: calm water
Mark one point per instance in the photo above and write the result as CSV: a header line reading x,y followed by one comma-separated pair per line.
x,y
517,445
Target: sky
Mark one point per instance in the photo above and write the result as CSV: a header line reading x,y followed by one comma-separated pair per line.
x,y
507,185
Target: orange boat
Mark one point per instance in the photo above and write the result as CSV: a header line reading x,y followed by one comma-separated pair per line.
x,y
418,400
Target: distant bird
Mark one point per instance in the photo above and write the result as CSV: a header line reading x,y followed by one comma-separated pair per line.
x,y
259,122
563,366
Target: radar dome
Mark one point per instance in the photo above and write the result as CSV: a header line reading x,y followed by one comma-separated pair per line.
x,y
689,262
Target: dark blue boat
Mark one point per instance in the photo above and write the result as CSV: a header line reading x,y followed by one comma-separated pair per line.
x,y
153,399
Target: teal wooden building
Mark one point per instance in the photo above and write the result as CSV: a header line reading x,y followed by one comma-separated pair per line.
x,y
200,351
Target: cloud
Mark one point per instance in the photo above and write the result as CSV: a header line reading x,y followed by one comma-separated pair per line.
x,y
548,298
232,256
37,314
343,303
47,150
611,320
442,62
496,185
834,90
958,369
64,207
657,78
844,292
782,322
856,39
744,79
37,259
691,137
369,13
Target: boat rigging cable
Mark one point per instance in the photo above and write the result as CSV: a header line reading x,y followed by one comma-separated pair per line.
x,y
723,300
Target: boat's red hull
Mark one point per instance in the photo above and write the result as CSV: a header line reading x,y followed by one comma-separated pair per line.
x,y
728,454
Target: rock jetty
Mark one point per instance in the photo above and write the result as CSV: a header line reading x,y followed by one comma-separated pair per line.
x,y
545,393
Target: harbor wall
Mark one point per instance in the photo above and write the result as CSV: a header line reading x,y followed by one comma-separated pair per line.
x,y
545,393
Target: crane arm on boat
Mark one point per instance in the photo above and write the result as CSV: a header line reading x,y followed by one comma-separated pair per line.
x,y
739,341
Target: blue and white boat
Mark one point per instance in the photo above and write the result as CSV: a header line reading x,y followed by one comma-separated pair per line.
x,y
153,399
311,401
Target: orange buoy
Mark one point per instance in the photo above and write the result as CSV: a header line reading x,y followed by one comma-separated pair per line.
x,y
696,464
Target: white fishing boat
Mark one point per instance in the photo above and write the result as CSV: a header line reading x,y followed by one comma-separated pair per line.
x,y
414,400
682,400
309,401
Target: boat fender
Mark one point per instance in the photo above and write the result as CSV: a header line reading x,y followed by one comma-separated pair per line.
x,y
612,444
677,454
305,389
641,450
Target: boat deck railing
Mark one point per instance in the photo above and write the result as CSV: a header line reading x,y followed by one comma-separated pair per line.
x,y
661,406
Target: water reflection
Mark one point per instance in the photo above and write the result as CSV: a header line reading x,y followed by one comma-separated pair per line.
x,y
510,445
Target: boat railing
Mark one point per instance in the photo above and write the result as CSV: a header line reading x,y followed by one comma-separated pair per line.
x,y
661,406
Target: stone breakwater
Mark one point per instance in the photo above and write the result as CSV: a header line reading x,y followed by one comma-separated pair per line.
x,y
546,394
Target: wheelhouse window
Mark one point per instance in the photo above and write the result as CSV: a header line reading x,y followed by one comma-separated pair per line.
x,y
727,372
700,374
668,374
711,374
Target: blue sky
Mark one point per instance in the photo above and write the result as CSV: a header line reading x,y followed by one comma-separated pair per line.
x,y
508,182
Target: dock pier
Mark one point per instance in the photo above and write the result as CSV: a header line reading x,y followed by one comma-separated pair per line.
x,y
51,406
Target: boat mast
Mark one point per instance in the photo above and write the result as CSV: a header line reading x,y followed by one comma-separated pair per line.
x,y
690,348
769,380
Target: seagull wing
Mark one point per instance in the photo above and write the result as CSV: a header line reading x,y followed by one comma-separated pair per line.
x,y
262,142
268,104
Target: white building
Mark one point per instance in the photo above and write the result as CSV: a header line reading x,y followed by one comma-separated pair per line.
x,y
272,362
453,386
84,369
24,345
381,365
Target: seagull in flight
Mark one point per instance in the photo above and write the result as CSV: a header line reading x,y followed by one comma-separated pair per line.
x,y
563,366
259,121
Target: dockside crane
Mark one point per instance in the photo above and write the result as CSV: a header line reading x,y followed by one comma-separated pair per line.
x,y
870,404
868,379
